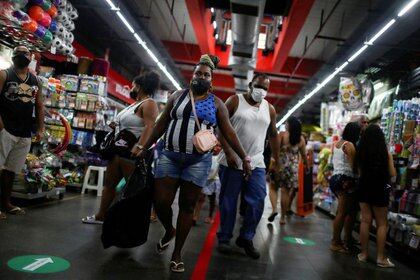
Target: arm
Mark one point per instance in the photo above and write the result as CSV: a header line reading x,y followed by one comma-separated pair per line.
x,y
39,113
231,106
350,151
148,113
391,167
2,81
302,151
161,124
273,135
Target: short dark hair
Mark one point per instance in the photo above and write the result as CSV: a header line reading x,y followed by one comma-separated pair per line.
x,y
351,132
149,82
295,130
258,75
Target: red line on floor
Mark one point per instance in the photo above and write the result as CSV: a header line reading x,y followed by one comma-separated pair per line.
x,y
202,265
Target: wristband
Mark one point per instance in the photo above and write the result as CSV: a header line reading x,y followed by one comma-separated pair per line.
x,y
140,147
247,159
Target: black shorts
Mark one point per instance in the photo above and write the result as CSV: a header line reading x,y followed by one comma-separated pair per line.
x,y
374,194
342,184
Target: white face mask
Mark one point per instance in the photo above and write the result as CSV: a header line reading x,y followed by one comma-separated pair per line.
x,y
258,94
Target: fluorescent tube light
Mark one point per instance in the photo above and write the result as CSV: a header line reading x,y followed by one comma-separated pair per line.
x,y
212,10
126,23
356,54
407,7
111,5
382,31
214,24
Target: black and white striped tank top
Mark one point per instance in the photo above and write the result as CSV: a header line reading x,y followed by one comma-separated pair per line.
x,y
182,127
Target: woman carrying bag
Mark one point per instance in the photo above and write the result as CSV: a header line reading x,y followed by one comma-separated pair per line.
x,y
188,120
133,127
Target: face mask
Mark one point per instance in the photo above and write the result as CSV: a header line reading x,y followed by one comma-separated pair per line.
x,y
21,61
258,94
200,86
133,94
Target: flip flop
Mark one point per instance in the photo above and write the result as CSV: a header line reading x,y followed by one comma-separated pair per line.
x,y
160,248
387,264
16,211
91,220
361,258
339,249
2,216
177,267
272,217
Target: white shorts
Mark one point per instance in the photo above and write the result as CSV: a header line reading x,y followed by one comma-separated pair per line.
x,y
13,151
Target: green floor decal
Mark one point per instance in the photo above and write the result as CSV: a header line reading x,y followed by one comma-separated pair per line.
x,y
38,264
298,240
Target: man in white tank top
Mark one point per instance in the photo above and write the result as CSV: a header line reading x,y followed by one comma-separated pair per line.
x,y
252,117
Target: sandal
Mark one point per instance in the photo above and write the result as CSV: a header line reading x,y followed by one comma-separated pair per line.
x,y
272,217
387,264
361,258
177,267
2,216
16,211
339,249
160,248
92,220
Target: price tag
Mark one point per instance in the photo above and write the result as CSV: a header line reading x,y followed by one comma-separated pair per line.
x,y
414,242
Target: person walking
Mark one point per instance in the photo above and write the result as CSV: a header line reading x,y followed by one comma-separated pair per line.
x,y
291,145
343,185
376,167
251,116
20,95
180,164
137,119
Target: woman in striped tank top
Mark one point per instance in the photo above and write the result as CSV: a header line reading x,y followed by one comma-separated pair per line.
x,y
180,164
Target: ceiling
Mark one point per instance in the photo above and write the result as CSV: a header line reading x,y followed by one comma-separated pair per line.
x,y
181,30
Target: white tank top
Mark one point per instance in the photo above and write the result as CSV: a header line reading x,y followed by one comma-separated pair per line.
x,y
128,119
341,163
250,124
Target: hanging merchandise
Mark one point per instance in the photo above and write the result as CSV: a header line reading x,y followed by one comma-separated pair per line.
x,y
43,27
350,93
367,89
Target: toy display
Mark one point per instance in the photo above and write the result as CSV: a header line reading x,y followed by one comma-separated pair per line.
x,y
350,94
47,25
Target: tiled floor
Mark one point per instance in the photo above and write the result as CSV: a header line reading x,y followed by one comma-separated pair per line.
x,y
55,229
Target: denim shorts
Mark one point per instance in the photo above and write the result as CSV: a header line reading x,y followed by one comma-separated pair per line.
x,y
193,168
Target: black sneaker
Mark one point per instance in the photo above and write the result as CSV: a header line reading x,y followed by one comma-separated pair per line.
x,y
248,247
224,248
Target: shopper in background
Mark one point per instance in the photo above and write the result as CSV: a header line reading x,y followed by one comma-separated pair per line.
x,y
291,144
251,116
180,164
210,190
376,167
20,94
343,185
139,119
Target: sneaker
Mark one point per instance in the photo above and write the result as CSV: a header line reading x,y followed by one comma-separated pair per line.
x,y
224,248
249,248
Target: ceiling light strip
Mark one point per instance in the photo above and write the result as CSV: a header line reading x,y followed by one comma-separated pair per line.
x,y
143,44
344,65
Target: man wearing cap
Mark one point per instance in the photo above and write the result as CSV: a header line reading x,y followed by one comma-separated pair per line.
x,y
20,100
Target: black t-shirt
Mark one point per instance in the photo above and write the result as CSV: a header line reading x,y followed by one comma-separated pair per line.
x,y
17,101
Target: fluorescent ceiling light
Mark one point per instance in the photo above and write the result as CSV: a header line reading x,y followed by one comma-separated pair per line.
x,y
262,37
214,24
126,23
212,10
356,54
143,44
382,31
407,7
111,5
216,36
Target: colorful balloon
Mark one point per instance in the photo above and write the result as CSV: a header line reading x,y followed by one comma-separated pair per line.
x,y
46,5
53,26
46,20
53,12
48,37
36,12
30,26
40,31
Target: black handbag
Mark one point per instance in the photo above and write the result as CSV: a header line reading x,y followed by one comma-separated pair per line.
x,y
117,144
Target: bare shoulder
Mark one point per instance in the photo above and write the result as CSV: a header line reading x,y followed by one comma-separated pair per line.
x,y
3,75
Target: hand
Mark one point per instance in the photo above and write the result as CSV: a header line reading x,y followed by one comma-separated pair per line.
x,y
113,125
39,134
246,166
137,152
231,161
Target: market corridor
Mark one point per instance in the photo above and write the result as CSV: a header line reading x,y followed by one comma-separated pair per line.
x,y
56,230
